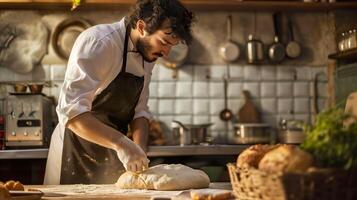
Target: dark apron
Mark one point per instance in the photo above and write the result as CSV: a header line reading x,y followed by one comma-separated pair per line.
x,y
88,163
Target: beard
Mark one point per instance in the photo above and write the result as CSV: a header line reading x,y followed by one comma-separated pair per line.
x,y
144,49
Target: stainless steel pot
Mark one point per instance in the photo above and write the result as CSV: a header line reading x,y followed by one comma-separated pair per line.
x,y
187,134
251,133
255,52
291,132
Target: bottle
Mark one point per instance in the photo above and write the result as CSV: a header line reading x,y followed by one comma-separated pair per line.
x,y
353,39
341,43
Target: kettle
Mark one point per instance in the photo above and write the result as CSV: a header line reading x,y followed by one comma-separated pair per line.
x,y
255,52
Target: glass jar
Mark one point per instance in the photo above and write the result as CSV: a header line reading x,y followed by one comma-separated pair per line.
x,y
341,43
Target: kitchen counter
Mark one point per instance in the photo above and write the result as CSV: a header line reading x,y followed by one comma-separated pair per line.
x,y
154,151
110,191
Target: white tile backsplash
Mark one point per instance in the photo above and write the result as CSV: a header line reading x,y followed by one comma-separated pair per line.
x,y
58,72
201,119
153,106
268,73
251,73
216,90
166,106
301,105
301,89
284,89
183,89
303,117
235,104
155,73
183,106
165,74
185,73
234,89
167,89
218,72
201,72
267,89
216,105
185,119
236,72
285,73
253,88
201,107
200,89
269,105
285,105
153,89
303,73
218,124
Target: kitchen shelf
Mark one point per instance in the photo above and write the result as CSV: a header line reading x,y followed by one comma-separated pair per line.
x,y
348,55
194,4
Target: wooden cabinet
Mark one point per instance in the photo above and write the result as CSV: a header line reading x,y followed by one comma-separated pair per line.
x,y
245,5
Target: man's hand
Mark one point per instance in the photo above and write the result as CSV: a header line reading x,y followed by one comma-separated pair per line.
x,y
90,128
131,155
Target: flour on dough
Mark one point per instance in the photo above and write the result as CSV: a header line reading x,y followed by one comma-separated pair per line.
x,y
165,177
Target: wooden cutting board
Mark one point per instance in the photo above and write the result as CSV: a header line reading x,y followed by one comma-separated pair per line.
x,y
248,113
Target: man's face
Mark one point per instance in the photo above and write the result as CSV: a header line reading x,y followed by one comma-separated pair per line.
x,y
157,44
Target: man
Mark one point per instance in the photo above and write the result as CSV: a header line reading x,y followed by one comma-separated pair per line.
x,y
106,89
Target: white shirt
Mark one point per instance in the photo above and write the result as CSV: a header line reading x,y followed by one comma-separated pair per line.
x,y
95,60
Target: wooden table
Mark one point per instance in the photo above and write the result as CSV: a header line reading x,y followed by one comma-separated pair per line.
x,y
110,192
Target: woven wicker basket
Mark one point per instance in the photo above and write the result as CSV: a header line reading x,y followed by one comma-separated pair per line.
x,y
319,184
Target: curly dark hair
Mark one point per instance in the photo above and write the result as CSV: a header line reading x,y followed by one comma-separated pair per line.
x,y
154,12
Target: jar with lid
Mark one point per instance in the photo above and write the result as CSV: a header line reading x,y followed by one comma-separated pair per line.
x,y
352,39
341,43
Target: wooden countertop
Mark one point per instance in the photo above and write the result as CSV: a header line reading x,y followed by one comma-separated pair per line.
x,y
110,192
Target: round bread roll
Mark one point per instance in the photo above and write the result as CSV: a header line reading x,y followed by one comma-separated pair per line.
x,y
10,184
251,156
18,186
4,193
286,158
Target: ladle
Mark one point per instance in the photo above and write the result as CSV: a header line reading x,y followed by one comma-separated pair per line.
x,y
225,114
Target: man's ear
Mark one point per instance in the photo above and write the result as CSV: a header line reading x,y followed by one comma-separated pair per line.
x,y
141,25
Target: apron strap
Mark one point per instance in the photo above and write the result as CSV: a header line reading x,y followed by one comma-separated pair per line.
x,y
127,34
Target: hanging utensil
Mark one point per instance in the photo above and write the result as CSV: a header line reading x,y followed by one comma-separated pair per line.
x,y
225,114
229,51
277,49
248,113
293,49
255,52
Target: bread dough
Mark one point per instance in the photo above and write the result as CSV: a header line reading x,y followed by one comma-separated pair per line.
x,y
165,177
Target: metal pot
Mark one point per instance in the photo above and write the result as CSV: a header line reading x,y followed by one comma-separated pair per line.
x,y
291,132
255,52
187,134
251,133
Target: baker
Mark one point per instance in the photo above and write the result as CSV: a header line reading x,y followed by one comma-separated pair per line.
x,y
105,91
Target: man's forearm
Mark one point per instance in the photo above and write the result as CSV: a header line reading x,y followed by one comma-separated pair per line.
x,y
140,130
91,129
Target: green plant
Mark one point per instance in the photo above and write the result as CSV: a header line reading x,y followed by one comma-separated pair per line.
x,y
330,141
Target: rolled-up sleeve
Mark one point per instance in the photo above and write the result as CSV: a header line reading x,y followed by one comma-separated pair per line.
x,y
89,63
142,108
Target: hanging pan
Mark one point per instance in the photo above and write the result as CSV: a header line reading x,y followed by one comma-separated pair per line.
x,y
277,49
293,49
65,34
176,57
229,51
